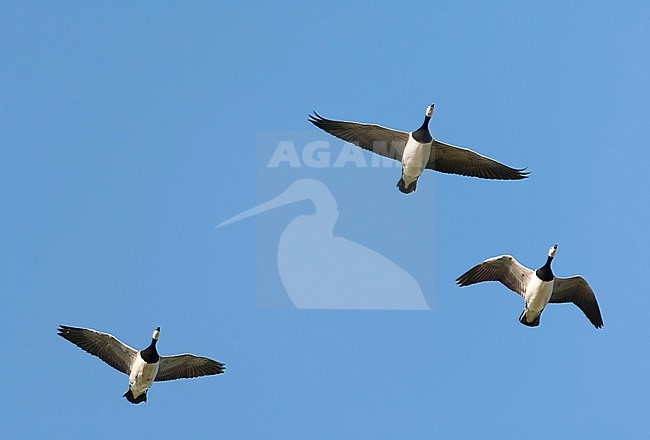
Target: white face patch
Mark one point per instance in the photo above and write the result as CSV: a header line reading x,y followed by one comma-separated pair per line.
x,y
429,111
156,333
551,251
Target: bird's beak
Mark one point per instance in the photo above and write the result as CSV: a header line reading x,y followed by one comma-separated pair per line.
x,y
285,198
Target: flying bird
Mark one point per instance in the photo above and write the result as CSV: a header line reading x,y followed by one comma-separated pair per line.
x,y
417,151
143,366
538,287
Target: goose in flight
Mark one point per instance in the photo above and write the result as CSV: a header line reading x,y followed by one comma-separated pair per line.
x,y
417,151
538,287
143,366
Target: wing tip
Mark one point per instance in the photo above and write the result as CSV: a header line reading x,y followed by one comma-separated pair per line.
x,y
64,330
509,174
220,367
513,174
316,118
598,322
464,280
523,174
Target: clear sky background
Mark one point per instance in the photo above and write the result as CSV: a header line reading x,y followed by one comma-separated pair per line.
x,y
129,130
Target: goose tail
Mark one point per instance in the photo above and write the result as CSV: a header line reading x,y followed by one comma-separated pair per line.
x,y
406,189
135,400
525,322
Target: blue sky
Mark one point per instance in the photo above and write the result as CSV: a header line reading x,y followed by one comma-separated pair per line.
x,y
129,131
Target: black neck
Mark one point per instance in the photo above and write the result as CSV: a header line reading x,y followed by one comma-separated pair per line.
x,y
425,124
422,134
150,354
545,273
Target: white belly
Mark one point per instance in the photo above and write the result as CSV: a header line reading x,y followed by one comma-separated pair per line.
x,y
414,160
538,294
142,376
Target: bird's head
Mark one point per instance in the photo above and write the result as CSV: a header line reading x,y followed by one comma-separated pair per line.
x,y
552,250
156,333
430,110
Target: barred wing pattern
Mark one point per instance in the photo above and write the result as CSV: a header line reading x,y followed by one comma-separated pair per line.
x,y
576,290
106,347
504,269
380,140
456,160
186,366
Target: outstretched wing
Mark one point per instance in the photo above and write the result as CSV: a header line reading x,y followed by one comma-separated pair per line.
x,y
380,140
185,366
456,160
106,347
504,269
575,289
